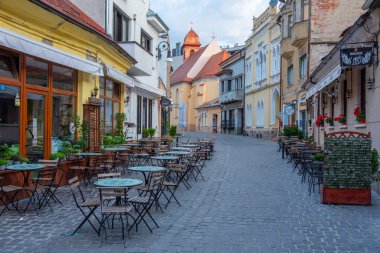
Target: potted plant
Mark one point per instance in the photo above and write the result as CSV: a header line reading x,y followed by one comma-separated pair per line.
x,y
24,160
3,164
108,141
173,131
57,155
360,115
318,157
342,120
152,132
330,121
16,158
145,133
320,121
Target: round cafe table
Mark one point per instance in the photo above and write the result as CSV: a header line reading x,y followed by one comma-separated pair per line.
x,y
26,169
118,182
180,149
180,153
164,159
147,170
116,149
188,145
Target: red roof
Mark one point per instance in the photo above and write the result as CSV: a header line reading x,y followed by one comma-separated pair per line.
x,y
212,67
70,10
180,75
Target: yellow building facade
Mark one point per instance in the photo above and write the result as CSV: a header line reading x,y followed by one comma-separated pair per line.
x,y
55,61
262,100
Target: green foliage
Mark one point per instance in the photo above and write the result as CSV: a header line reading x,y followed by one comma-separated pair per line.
x,y
293,131
145,133
56,155
108,141
319,157
3,162
375,164
173,131
84,135
118,140
10,153
120,118
76,120
24,160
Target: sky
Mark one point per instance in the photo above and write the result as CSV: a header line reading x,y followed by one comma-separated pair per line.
x,y
229,21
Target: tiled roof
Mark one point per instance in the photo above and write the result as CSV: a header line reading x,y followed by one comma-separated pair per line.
x,y
180,75
212,67
70,10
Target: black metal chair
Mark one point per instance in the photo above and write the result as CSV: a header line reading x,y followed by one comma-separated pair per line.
x,y
8,194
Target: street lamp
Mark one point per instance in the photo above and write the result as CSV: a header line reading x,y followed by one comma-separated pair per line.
x,y
164,46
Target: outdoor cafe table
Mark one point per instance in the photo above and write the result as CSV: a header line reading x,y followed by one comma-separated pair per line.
x,y
179,153
188,145
26,169
118,182
165,159
180,149
147,170
87,156
116,149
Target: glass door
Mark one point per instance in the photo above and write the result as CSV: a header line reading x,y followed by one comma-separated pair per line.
x,y
35,126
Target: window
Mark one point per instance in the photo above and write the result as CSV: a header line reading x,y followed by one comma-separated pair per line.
x,y
9,114
229,86
303,67
144,113
221,87
295,11
290,76
64,78
139,99
120,25
150,114
290,24
110,96
37,72
9,65
146,41
303,3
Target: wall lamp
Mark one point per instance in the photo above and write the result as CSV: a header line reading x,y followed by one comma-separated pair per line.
x,y
94,92
164,46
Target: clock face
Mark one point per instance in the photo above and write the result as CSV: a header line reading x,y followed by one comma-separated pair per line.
x,y
72,128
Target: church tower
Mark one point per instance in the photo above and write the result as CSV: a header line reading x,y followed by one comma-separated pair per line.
x,y
191,44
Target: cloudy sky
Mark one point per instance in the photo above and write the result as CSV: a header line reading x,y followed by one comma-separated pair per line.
x,y
230,21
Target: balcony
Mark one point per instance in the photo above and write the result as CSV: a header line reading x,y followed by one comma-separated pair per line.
x,y
300,33
248,89
231,96
287,48
144,65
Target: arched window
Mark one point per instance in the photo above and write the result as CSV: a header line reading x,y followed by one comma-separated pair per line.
x,y
258,114
278,58
274,109
262,114
264,74
191,51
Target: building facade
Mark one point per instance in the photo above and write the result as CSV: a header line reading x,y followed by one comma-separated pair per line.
x,y
55,60
309,30
231,93
139,31
263,67
195,86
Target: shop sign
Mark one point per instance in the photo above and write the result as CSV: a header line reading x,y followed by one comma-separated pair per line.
x,y
356,56
289,110
165,102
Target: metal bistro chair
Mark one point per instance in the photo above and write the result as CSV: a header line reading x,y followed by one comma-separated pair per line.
x,y
54,184
121,209
8,195
82,204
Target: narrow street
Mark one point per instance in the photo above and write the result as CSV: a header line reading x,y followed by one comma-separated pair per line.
x,y
250,202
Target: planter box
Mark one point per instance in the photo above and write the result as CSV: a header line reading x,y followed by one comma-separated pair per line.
x,y
346,196
360,125
343,127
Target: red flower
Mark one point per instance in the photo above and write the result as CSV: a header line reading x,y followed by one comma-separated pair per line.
x,y
362,121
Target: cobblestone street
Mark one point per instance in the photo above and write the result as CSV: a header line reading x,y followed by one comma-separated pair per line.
x,y
250,202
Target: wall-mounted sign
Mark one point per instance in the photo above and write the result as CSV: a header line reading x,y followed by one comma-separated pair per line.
x,y
356,56
165,102
289,110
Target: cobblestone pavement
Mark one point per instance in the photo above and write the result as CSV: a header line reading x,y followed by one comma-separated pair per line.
x,y
250,202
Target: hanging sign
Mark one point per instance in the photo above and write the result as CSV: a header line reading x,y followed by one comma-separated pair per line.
x,y
165,102
289,110
356,56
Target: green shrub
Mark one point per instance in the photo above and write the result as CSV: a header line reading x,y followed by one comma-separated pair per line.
x,y
3,162
24,160
108,141
173,131
118,140
119,128
319,157
145,133
292,131
56,155
152,132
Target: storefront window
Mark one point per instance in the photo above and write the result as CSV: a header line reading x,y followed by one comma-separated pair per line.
x,y
9,65
37,72
110,96
64,78
9,114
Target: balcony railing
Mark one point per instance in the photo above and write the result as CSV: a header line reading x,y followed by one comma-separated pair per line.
x,y
144,65
231,96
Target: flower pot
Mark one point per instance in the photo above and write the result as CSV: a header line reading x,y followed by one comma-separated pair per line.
x,y
10,162
360,125
345,196
343,127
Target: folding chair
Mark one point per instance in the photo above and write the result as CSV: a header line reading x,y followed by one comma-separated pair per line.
x,y
8,194
82,204
52,185
143,204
